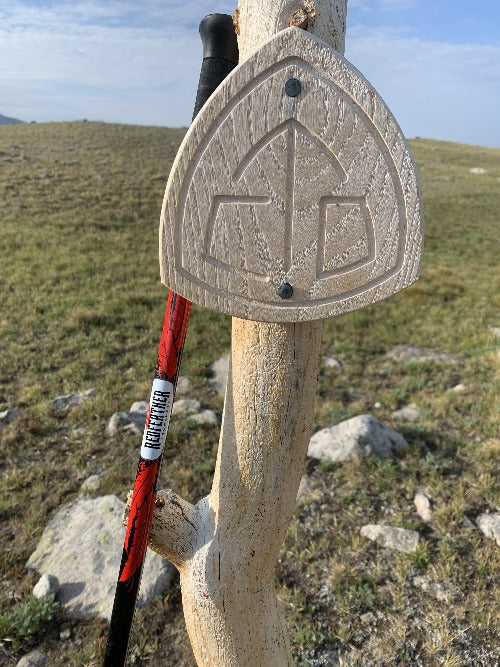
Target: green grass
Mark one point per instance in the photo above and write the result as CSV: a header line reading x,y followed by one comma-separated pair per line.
x,y
81,306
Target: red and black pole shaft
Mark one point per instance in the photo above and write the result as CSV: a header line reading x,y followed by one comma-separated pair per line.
x,y
220,56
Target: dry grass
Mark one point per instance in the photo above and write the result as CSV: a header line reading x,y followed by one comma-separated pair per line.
x,y
81,307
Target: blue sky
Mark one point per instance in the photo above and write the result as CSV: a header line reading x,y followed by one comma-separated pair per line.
x,y
435,62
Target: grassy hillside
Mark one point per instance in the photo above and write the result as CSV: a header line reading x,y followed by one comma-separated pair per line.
x,y
81,306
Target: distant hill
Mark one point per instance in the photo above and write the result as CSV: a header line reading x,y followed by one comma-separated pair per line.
x,y
5,120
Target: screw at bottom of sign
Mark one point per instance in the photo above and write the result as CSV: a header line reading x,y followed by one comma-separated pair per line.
x,y
285,291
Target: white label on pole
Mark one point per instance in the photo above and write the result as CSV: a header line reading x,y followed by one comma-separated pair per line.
x,y
157,419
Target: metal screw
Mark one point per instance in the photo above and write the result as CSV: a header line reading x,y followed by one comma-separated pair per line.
x,y
293,87
285,291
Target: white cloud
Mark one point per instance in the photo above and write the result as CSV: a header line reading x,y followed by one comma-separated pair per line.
x,y
435,89
139,63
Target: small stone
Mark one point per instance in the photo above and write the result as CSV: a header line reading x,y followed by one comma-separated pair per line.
x,y
407,353
61,405
490,525
359,436
377,405
219,370
391,537
133,422
65,634
34,659
422,502
91,484
8,416
434,588
205,417
459,389
48,584
409,413
478,170
185,407
330,362
183,385
139,406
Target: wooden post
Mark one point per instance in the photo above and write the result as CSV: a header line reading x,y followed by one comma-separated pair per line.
x,y
345,232
226,547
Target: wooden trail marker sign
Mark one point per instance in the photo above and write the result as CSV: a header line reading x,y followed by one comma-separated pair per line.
x,y
288,203
294,174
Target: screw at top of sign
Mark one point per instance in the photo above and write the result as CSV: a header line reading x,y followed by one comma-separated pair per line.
x,y
293,87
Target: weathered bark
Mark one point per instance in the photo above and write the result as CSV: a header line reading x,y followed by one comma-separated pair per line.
x,y
226,546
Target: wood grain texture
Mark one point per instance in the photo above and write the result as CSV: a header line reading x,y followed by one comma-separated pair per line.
x,y
226,547
319,191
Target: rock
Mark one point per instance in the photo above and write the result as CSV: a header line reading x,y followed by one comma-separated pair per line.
x,y
91,484
377,405
412,353
459,389
490,525
205,417
219,370
434,588
33,659
422,502
368,619
82,547
185,406
391,537
9,415
360,436
139,406
478,170
183,385
409,413
47,585
330,362
65,634
304,488
61,405
132,422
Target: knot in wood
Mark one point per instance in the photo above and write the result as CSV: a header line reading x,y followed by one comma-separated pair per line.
x,y
299,19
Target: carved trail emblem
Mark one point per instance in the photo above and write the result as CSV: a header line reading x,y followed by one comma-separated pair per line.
x,y
317,190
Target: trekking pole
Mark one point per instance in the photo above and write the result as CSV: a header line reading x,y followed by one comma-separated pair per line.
x,y
220,56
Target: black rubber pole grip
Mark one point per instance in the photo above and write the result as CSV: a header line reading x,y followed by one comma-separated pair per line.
x,y
220,55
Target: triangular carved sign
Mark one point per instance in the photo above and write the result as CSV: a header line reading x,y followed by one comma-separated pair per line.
x,y
317,191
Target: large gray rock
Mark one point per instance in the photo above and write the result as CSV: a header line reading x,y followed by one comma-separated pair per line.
x,y
82,547
360,436
391,537
61,405
219,370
